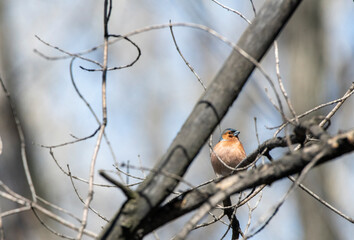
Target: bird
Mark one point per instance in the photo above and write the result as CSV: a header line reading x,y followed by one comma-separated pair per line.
x,y
229,150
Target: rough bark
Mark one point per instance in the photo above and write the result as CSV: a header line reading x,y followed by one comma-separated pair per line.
x,y
207,113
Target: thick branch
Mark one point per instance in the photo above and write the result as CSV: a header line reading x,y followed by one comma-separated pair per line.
x,y
287,165
314,154
207,113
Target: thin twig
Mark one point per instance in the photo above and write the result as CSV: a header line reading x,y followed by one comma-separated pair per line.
x,y
62,221
104,120
232,10
165,173
277,68
299,179
120,67
339,104
215,219
130,194
250,210
93,114
184,59
15,211
246,199
14,197
253,8
63,51
49,228
141,165
213,33
257,136
127,174
71,142
342,99
12,193
208,30
329,206
73,176
58,208
80,198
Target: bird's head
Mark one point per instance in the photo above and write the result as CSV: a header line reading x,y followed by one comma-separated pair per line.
x,y
229,134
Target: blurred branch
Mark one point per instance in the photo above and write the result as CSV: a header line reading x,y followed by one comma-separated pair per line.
x,y
22,140
28,204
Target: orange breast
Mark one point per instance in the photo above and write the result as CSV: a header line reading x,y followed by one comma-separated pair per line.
x,y
230,152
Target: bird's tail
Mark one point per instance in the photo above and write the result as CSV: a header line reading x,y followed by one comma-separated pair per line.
x,y
234,223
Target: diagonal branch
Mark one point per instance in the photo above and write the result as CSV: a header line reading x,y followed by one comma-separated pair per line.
x,y
207,113
293,163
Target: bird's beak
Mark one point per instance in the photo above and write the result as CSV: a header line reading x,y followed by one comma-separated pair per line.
x,y
236,133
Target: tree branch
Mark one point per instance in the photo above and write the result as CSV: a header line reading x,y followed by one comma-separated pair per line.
x,y
207,113
293,163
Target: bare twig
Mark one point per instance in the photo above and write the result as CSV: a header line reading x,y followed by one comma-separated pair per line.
x,y
215,219
299,179
339,104
232,10
71,142
63,51
120,67
130,194
329,206
62,221
165,173
184,59
80,198
342,99
127,174
250,210
14,197
15,211
49,228
141,166
213,33
253,8
104,119
73,176
93,114
58,208
277,61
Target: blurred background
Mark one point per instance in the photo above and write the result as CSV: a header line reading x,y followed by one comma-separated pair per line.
x,y
148,103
